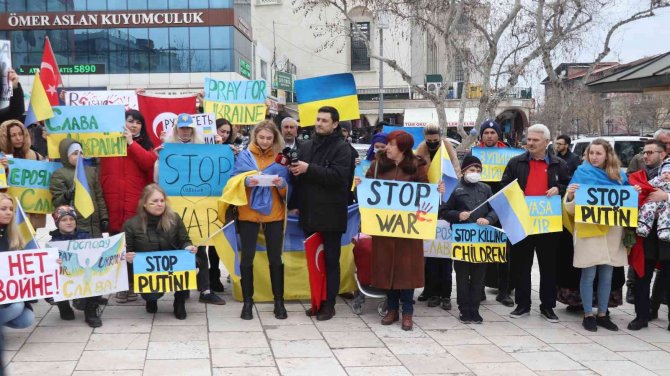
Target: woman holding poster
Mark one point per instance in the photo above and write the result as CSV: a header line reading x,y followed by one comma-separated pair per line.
x,y
597,248
266,208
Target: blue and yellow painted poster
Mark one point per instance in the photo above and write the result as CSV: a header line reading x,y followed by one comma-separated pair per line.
x,y
164,271
494,161
609,205
471,242
545,214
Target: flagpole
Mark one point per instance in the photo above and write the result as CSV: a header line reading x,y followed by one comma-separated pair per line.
x,y
492,197
211,236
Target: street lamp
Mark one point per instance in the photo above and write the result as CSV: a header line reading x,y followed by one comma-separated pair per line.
x,y
382,23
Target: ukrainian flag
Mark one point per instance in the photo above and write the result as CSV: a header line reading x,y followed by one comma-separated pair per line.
x,y
39,108
225,243
510,205
26,231
441,168
83,199
336,90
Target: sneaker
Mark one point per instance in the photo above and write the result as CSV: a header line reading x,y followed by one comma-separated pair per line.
x,y
446,304
326,313
122,297
590,324
549,314
132,296
434,301
505,299
519,312
637,324
606,323
476,317
211,298
464,317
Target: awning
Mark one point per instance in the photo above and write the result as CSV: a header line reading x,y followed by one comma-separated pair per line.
x,y
386,111
420,117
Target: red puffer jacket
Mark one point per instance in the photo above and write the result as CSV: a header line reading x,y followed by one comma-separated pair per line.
x,y
122,180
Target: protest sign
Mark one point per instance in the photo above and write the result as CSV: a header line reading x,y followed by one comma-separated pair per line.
x,y
99,129
205,126
545,214
5,65
241,102
362,168
28,275
609,205
125,98
200,215
416,132
3,179
164,271
474,243
92,267
29,182
398,209
440,247
194,170
494,161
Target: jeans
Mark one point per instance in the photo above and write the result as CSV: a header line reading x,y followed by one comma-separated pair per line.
x,y
604,287
16,315
469,284
438,277
406,297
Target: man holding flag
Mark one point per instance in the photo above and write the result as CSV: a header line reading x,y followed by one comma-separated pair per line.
x,y
538,174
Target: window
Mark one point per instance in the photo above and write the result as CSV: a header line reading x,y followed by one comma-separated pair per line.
x,y
198,4
158,4
96,5
360,61
459,73
432,55
199,37
117,5
264,69
221,60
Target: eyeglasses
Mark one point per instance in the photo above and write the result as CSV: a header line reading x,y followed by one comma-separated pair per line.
x,y
650,152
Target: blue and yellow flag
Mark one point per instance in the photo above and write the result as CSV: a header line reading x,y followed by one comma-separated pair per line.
x,y
513,213
441,168
26,231
39,108
225,243
336,90
83,199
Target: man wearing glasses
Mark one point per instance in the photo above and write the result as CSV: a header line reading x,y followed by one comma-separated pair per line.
x,y
562,147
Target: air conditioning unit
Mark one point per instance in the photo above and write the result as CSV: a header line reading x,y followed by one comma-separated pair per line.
x,y
434,87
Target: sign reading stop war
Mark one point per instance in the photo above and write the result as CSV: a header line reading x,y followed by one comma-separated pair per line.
x,y
194,170
27,275
609,205
164,271
545,214
440,247
99,129
398,209
241,102
494,161
29,181
471,242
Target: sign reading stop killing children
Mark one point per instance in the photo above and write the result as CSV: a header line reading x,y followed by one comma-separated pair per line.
x,y
440,247
164,271
494,161
92,267
471,242
28,275
241,102
398,209
29,182
545,214
609,205
99,129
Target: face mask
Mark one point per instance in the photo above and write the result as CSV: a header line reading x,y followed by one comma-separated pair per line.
x,y
377,150
473,177
433,144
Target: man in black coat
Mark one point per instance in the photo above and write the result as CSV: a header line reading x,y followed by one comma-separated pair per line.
x,y
562,147
322,178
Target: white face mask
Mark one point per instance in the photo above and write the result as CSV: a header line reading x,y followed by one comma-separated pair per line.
x,y
473,177
377,150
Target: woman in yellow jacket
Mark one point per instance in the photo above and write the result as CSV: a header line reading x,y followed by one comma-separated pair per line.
x,y
265,208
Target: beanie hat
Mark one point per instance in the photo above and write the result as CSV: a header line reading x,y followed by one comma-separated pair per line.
x,y
63,211
665,166
75,146
470,161
488,123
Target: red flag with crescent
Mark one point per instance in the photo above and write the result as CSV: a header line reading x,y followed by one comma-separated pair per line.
x,y
49,73
160,113
316,266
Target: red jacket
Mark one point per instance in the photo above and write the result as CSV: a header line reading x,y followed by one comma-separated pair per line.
x,y
122,180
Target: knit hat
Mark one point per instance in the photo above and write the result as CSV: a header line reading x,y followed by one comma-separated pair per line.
x,y
488,123
185,121
75,146
63,211
470,161
665,166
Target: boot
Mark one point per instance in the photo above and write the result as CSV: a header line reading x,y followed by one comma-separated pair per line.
x,y
179,307
66,312
91,313
277,280
327,311
653,310
391,317
247,282
407,321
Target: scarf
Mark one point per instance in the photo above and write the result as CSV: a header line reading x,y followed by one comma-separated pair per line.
x,y
261,197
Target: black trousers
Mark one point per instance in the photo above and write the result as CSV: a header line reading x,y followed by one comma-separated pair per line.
x,y
438,277
469,284
332,250
274,237
214,268
521,264
201,261
642,287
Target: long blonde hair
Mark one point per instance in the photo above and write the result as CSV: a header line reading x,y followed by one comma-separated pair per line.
x,y
612,165
268,125
168,218
13,232
6,142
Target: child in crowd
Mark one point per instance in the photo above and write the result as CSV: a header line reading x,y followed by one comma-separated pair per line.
x,y
656,209
468,195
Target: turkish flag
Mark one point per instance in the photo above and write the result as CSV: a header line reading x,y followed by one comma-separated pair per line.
x,y
158,110
49,73
316,267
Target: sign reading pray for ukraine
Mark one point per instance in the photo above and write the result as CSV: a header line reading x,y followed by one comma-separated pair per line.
x,y
164,271
398,209
609,205
471,242
336,90
241,102
494,161
99,129
29,182
545,214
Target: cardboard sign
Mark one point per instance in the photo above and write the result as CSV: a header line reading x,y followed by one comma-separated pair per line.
x,y
28,275
440,247
92,267
125,98
164,271
6,89
241,102
545,213
99,129
194,170
416,132
609,205
398,209
362,168
29,182
205,126
200,215
494,161
474,243
3,179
